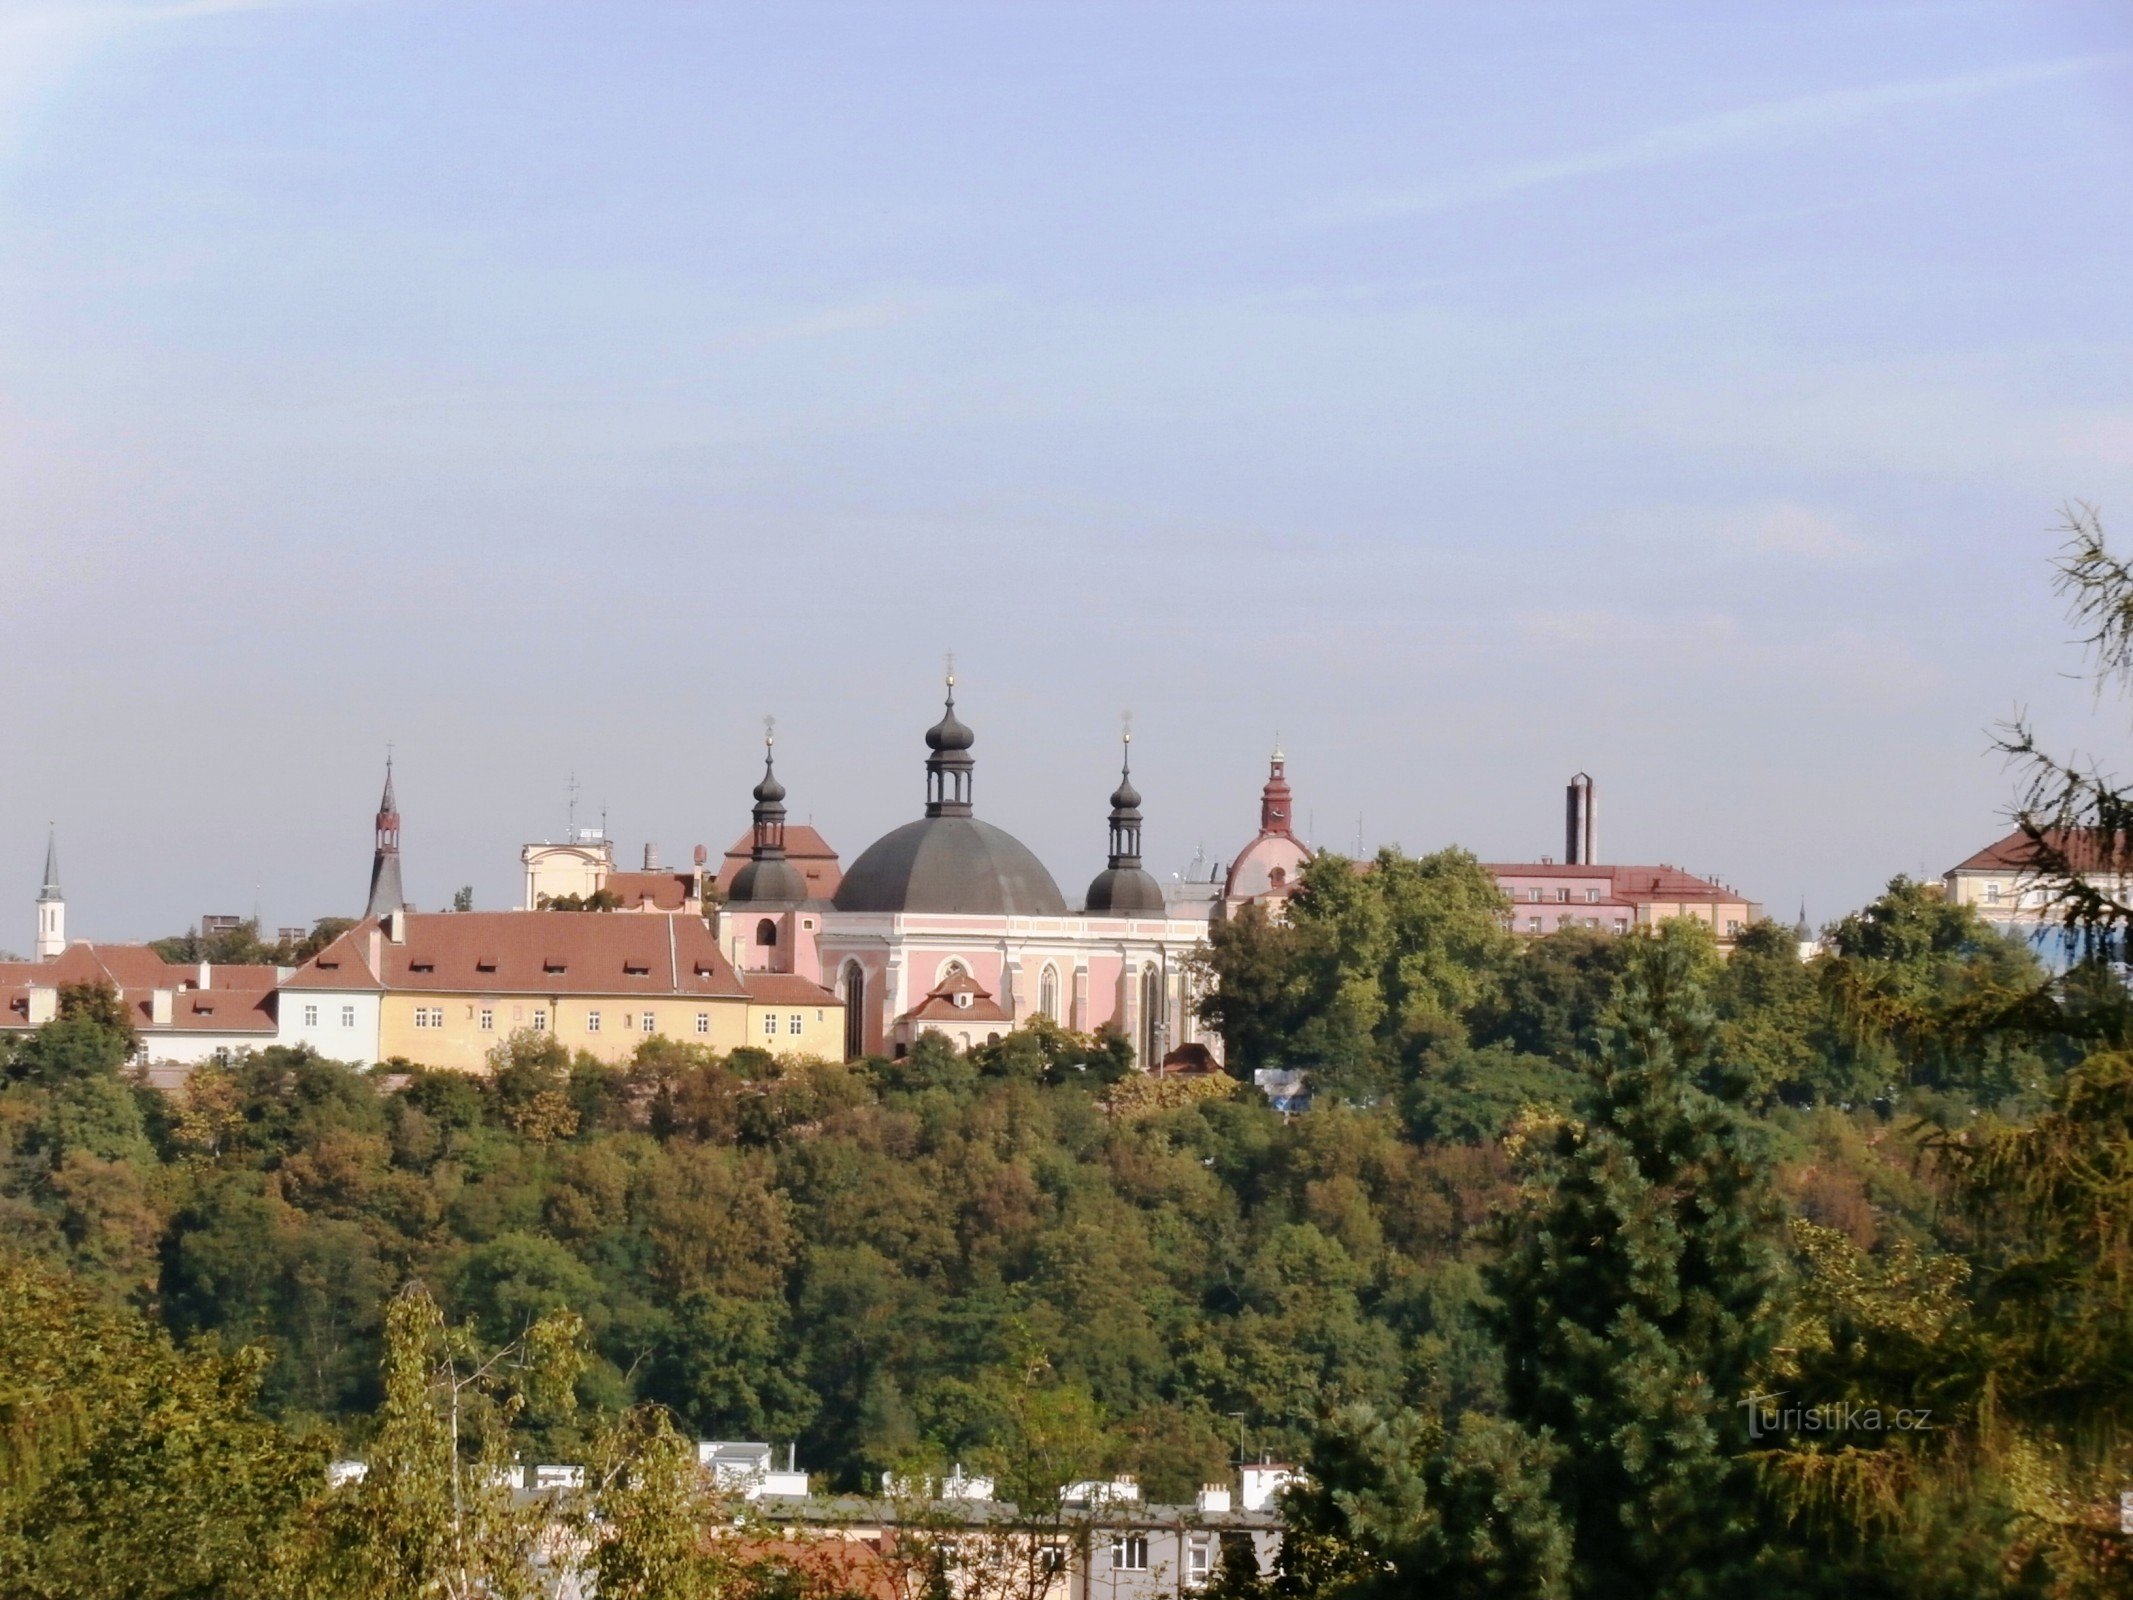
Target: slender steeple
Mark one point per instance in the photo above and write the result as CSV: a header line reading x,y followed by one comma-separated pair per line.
x,y
51,904
769,804
1126,809
1276,807
768,879
1123,888
949,766
386,895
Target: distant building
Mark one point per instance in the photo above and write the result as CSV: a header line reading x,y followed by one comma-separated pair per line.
x,y
2009,888
2006,885
951,924
584,865
1548,896
1270,868
184,1014
445,988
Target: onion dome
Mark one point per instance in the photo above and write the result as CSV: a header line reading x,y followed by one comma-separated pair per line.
x,y
949,861
768,879
1124,888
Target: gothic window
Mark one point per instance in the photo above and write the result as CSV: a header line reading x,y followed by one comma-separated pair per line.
x,y
855,1011
1048,993
1151,1019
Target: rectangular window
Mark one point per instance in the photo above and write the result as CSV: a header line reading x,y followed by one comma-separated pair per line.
x,y
310,1016
1199,1559
540,1020
703,1022
348,1016
1992,894
1129,1553
1621,924
488,1020
1592,897
592,1022
770,1023
1732,928
1563,896
1533,894
1533,924
650,1025
422,1017
794,1025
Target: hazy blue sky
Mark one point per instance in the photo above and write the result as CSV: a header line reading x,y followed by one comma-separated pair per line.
x,y
1473,393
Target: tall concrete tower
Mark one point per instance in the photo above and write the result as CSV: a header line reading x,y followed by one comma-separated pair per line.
x,y
51,905
1581,829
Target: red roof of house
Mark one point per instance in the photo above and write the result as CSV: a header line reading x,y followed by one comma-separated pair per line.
x,y
941,1004
804,848
236,999
2082,848
662,891
1624,885
529,952
787,989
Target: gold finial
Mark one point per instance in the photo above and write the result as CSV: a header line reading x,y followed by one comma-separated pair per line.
x,y
770,731
1125,724
948,668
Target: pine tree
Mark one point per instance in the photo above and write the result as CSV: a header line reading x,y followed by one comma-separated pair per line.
x,y
1636,1304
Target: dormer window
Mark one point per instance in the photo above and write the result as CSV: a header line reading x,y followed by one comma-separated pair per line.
x,y
422,966
329,966
636,969
555,964
485,964
963,1002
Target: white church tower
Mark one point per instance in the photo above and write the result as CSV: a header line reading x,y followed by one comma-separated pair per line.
x,y
51,905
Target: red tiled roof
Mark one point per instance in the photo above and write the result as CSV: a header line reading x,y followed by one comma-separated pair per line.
x,y
787,989
940,1005
530,952
665,891
2015,853
1625,885
804,848
224,1011
236,999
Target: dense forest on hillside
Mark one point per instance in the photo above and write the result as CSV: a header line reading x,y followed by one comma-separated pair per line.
x,y
872,1259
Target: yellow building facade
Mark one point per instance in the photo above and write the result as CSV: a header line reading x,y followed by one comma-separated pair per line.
x,y
446,989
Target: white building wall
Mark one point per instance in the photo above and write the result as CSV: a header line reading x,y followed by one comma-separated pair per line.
x,y
340,1025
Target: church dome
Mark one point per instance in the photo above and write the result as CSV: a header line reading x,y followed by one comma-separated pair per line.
x,y
953,864
766,882
1126,892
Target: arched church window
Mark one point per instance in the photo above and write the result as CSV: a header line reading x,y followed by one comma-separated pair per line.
x,y
951,968
855,1011
1277,877
766,933
1048,993
1151,1019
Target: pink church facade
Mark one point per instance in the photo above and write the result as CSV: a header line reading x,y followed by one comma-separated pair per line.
x,y
951,924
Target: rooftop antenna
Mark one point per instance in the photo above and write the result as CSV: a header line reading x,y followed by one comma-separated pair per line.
x,y
570,791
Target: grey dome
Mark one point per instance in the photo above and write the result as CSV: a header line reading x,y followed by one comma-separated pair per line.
x,y
767,881
1125,892
951,863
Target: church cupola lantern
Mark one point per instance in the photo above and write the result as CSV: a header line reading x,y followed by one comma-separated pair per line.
x,y
769,842
1276,808
949,762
